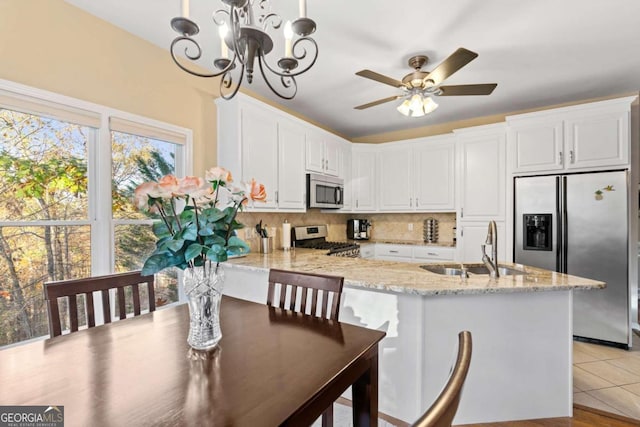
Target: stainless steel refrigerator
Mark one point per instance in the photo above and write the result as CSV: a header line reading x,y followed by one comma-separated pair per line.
x,y
578,224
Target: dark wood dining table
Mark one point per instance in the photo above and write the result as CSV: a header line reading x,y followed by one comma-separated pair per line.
x,y
272,367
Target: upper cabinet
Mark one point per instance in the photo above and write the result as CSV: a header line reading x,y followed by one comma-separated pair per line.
x,y
583,137
323,153
417,176
257,141
482,172
363,173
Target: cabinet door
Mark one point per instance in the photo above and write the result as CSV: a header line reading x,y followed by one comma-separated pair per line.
x,y
260,151
537,146
395,185
315,160
363,181
483,177
597,140
433,177
473,236
332,157
291,175
347,176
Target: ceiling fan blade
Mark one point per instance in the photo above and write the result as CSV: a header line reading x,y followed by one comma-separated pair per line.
x,y
457,90
379,78
453,63
378,102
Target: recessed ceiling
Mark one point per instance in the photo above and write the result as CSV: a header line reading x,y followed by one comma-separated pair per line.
x,y
539,52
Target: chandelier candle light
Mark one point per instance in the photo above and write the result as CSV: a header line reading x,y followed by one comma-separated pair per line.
x,y
245,41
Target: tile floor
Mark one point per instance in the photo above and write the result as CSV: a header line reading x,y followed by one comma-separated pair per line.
x,y
607,378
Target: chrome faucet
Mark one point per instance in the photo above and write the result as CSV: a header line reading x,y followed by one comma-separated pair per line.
x,y
492,239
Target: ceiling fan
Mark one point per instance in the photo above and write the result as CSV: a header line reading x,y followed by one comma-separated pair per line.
x,y
419,86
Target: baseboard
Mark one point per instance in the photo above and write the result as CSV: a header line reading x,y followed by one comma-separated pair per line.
x,y
605,414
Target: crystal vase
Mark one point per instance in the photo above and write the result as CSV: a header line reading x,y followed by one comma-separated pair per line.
x,y
203,287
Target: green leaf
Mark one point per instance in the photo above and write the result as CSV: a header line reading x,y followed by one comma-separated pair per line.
x,y
217,253
175,245
205,232
190,232
155,263
193,251
237,243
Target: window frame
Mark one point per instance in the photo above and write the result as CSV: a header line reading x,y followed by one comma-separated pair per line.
x,y
99,162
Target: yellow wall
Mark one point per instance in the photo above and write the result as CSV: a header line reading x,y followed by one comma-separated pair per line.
x,y
51,45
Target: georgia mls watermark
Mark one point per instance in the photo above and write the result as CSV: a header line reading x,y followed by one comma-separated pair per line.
x,y
31,416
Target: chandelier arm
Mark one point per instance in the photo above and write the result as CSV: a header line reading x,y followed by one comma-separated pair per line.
x,y
286,80
304,54
234,21
227,81
194,58
275,18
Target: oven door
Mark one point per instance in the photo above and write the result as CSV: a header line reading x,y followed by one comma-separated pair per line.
x,y
324,192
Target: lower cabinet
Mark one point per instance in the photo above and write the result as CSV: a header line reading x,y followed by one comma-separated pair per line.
x,y
471,237
412,253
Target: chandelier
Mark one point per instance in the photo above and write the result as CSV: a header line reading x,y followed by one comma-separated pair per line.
x,y
243,40
417,105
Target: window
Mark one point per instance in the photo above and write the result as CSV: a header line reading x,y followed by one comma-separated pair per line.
x,y
56,219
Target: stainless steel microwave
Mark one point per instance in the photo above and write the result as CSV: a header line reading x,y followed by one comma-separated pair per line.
x,y
324,192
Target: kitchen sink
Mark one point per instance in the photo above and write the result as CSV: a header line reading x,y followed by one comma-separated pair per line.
x,y
470,269
447,271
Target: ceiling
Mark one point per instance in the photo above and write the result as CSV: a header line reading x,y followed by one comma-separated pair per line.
x,y
539,52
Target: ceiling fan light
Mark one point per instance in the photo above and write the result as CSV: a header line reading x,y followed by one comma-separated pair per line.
x,y
404,108
416,102
429,105
417,113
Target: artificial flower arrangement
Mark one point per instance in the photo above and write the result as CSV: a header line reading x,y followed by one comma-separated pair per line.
x,y
198,218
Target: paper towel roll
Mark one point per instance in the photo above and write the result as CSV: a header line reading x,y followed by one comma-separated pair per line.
x,y
286,236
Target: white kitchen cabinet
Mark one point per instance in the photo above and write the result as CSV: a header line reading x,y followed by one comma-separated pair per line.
x,y
291,192
395,178
391,252
418,176
367,250
363,188
433,254
592,136
536,144
257,141
471,237
323,153
482,173
434,174
347,173
259,133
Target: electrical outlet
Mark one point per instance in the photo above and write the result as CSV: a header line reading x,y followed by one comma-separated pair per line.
x,y
410,226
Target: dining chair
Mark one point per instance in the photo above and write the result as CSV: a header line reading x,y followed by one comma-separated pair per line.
x,y
331,287
443,410
87,286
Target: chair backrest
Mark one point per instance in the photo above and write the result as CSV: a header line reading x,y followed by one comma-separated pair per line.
x,y
86,287
443,410
331,286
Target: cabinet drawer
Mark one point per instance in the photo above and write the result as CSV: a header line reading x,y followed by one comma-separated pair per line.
x,y
404,251
367,251
434,253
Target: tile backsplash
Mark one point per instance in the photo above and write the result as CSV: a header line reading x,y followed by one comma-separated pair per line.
x,y
385,226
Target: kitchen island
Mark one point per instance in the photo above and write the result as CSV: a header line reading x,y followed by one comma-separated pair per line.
x,y
521,324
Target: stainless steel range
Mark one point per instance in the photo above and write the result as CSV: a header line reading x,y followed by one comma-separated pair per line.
x,y
315,237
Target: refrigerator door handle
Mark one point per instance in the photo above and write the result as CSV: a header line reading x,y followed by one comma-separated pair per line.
x,y
563,237
559,234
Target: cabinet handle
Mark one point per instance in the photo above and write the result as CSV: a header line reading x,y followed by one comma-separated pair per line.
x,y
410,202
393,252
461,212
416,202
432,253
560,160
571,156
277,198
356,203
462,233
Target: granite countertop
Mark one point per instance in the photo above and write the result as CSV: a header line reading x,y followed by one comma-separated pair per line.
x,y
409,277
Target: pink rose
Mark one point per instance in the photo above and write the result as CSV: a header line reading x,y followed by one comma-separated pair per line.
x,y
218,174
190,185
142,194
167,186
256,192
